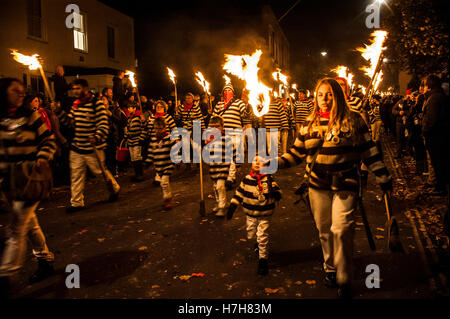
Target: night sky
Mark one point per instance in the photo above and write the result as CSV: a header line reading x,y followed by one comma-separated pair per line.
x,y
165,36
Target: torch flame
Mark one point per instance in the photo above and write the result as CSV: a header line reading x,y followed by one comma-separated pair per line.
x,y
227,80
372,53
294,86
132,78
30,61
246,68
343,72
171,75
278,76
201,80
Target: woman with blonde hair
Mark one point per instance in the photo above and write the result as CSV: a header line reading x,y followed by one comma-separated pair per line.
x,y
333,140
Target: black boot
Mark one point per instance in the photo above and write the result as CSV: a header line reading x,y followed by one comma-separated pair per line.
x,y
345,291
263,268
45,270
138,171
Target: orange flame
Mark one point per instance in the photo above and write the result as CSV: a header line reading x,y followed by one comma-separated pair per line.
x,y
343,72
132,77
201,80
171,75
372,53
278,76
30,61
227,80
246,68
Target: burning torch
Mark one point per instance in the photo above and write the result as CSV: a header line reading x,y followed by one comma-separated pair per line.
x,y
172,78
33,64
132,77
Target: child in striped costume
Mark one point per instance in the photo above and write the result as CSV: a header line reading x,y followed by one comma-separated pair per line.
x,y
257,194
134,135
219,166
160,111
159,154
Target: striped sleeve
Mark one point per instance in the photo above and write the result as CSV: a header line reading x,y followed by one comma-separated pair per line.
x,y
101,122
66,119
46,141
295,155
371,157
238,197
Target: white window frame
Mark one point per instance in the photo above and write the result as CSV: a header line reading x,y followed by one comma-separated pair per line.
x,y
80,35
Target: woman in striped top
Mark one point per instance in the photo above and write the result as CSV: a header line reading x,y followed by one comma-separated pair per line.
x,y
303,108
333,141
188,112
159,154
24,136
276,118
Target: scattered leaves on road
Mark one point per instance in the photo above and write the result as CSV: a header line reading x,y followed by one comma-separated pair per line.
x,y
143,248
100,240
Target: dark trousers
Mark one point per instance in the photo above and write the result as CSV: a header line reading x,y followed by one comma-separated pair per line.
x,y
418,146
110,158
437,150
400,137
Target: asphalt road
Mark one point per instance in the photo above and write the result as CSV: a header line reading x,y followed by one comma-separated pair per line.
x,y
133,249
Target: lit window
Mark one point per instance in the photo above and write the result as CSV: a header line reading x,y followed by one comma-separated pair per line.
x,y
80,34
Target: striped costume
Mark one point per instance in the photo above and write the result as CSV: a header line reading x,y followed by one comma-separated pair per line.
x,y
276,116
302,110
248,195
24,137
338,156
234,116
218,166
159,154
170,123
186,117
134,132
355,104
87,119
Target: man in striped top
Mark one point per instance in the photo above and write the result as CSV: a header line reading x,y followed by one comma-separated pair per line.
x,y
234,113
188,112
219,164
89,121
24,136
257,194
302,108
276,119
134,134
159,154
354,102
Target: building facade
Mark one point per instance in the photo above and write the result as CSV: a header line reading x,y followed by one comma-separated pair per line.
x,y
96,48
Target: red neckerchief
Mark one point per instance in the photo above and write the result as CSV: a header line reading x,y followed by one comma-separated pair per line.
x,y
187,107
81,101
325,114
12,111
227,99
258,177
159,115
161,136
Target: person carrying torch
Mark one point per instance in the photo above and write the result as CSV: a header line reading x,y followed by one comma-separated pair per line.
x,y
89,121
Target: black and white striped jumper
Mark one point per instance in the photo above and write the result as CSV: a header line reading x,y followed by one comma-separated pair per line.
x,y
24,137
134,133
234,116
276,116
248,192
159,154
339,157
374,114
187,117
170,124
289,115
219,165
302,110
86,120
355,104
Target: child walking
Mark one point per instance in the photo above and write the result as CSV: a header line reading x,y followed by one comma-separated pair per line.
x,y
133,135
159,154
219,166
257,194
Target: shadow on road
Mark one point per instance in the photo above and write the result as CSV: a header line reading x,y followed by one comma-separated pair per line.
x,y
102,269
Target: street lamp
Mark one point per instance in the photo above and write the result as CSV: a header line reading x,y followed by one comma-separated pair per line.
x,y
324,53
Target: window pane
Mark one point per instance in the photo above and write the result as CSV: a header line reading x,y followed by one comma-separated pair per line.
x,y
111,43
34,15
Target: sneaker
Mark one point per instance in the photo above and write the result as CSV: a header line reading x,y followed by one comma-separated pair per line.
x,y
345,291
330,280
45,270
74,209
263,268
